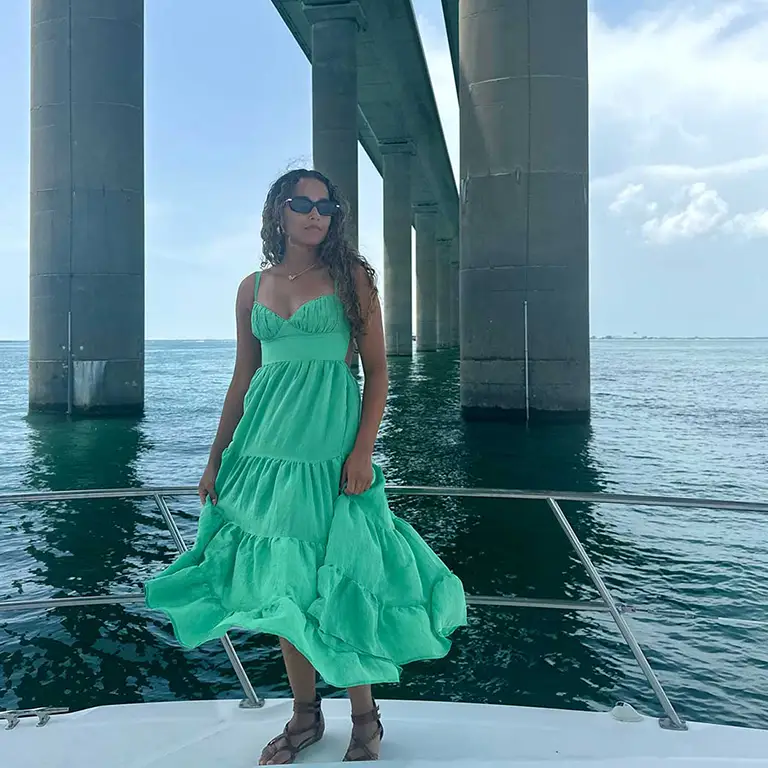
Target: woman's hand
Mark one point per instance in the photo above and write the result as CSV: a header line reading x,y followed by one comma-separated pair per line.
x,y
357,473
206,486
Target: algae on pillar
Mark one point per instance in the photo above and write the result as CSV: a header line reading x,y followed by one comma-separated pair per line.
x,y
524,209
397,247
426,279
86,330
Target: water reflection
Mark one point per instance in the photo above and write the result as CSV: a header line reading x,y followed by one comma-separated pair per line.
x,y
497,547
79,657
85,545
83,657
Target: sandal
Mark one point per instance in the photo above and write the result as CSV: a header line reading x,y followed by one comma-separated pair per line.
x,y
373,716
283,743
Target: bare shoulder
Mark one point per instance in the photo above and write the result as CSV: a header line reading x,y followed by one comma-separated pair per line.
x,y
363,281
246,291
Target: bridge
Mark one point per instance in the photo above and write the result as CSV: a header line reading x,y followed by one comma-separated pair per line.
x,y
502,263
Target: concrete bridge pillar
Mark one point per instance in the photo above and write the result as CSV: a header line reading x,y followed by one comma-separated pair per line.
x,y
454,279
524,209
86,336
397,247
443,269
334,95
426,279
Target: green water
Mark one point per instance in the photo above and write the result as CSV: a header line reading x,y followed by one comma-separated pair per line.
x,y
671,417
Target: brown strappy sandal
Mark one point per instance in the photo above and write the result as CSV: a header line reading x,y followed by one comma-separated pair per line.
x,y
373,716
283,743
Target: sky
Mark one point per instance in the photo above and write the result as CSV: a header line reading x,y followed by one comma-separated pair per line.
x,y
678,160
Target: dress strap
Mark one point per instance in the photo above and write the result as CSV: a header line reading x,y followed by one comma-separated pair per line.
x,y
256,281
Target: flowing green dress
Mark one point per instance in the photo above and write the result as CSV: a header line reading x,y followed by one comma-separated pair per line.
x,y
354,588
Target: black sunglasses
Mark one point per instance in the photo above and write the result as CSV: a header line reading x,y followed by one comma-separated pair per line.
x,y
303,204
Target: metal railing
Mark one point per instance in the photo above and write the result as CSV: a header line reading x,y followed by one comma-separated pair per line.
x,y
672,721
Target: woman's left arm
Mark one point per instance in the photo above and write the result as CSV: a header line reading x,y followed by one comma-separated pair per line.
x,y
358,469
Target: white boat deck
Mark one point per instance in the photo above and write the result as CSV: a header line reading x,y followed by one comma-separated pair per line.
x,y
418,734
204,734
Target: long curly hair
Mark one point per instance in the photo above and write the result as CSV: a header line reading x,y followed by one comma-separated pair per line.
x,y
335,253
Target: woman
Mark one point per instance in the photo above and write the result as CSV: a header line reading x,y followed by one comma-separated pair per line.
x,y
295,537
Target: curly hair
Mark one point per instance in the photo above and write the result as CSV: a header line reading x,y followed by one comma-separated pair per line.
x,y
339,257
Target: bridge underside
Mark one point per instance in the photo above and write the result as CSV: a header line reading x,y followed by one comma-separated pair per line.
x,y
501,269
522,321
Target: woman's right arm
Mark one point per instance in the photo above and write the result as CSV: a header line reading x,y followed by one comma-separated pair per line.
x,y
247,361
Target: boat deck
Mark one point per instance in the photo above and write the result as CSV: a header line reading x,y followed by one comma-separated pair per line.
x,y
203,734
221,733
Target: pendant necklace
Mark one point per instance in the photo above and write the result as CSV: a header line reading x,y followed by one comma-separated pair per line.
x,y
299,274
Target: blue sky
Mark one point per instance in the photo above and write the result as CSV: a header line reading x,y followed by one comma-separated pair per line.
x,y
679,160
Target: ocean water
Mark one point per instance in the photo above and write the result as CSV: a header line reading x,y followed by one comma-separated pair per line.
x,y
674,417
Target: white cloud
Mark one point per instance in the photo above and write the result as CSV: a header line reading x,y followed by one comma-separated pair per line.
x,y
695,210
678,71
750,225
626,197
679,118
683,173
704,210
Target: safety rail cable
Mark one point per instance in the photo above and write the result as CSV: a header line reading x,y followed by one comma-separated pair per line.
x,y
606,604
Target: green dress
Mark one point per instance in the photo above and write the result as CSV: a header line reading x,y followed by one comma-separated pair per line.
x,y
355,589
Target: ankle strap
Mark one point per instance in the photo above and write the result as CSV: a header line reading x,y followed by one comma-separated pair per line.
x,y
307,707
372,716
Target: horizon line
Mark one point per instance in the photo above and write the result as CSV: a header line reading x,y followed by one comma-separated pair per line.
x,y
601,337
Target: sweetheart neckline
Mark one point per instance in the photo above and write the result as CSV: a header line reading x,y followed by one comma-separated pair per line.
x,y
288,319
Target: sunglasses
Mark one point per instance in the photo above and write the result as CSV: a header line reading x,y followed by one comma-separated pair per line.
x,y
304,205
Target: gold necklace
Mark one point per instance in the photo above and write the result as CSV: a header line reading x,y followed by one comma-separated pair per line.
x,y
299,274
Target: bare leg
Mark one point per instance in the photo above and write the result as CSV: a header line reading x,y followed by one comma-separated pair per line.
x,y
366,734
301,674
304,724
361,699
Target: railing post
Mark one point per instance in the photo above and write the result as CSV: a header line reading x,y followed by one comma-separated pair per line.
x,y
252,699
674,722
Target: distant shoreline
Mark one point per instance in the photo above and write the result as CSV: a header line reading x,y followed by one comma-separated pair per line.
x,y
678,338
